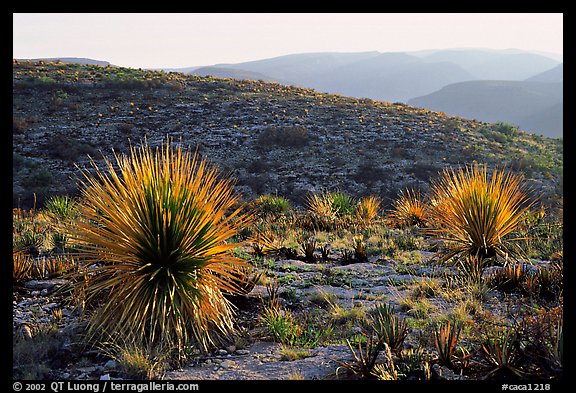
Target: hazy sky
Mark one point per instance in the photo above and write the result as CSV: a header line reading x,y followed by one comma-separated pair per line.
x,y
183,40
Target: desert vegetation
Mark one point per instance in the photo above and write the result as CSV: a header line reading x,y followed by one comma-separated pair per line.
x,y
155,255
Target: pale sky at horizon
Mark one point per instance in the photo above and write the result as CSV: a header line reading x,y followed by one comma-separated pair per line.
x,y
167,40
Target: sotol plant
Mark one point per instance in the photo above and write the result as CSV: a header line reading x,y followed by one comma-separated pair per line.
x,y
408,209
154,238
474,214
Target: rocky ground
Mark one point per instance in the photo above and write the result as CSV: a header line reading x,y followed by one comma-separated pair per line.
x,y
304,288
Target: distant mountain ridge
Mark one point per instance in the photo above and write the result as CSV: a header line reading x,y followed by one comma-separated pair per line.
x,y
535,107
555,74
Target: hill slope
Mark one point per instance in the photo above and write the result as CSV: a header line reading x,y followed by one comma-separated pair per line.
x,y
272,138
70,60
554,75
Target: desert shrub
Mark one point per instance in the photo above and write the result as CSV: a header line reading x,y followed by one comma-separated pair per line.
x,y
368,174
342,203
388,327
153,235
271,206
69,149
367,209
293,136
61,207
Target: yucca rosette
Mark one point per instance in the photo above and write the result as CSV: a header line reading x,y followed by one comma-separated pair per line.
x,y
155,231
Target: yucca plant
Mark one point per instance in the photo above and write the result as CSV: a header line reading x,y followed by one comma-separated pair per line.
x,y
342,203
270,206
365,358
22,267
263,243
321,213
409,209
388,327
61,207
325,252
360,253
308,248
446,337
501,353
329,210
474,214
510,277
55,266
367,209
153,236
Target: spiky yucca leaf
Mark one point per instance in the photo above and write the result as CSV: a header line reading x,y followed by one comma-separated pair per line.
x,y
474,213
22,267
321,211
157,227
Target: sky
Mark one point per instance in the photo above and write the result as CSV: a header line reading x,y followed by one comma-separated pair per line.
x,y
164,40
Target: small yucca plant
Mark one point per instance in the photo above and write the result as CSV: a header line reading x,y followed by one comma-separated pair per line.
x,y
22,267
409,209
388,327
308,247
474,214
501,353
342,203
331,204
61,207
153,236
445,339
321,211
367,209
271,206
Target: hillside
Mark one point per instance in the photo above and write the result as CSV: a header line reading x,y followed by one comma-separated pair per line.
x,y
223,72
70,60
272,138
533,106
554,75
405,76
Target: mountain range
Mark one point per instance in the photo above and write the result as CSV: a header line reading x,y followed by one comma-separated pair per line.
x,y
431,78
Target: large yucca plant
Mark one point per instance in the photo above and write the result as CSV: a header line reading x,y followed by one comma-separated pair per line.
x,y
154,237
474,214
